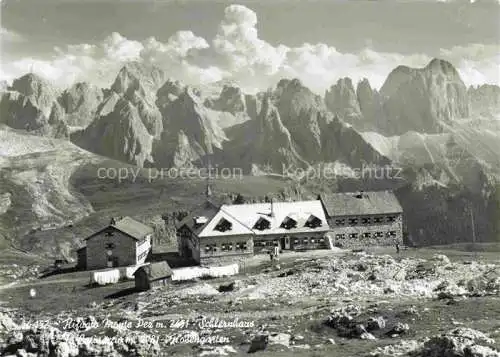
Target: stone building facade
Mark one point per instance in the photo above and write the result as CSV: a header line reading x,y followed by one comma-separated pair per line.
x,y
233,232
123,242
361,219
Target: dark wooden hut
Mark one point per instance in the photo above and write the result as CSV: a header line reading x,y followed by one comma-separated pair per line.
x,y
153,274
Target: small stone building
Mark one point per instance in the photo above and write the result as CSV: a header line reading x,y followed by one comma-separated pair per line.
x,y
123,242
81,254
360,219
153,274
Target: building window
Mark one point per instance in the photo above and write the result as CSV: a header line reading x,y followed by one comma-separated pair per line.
x,y
223,225
322,240
367,235
312,240
289,223
241,246
353,221
210,248
340,236
379,234
353,235
366,220
391,234
313,222
110,246
377,220
305,241
340,222
391,218
262,224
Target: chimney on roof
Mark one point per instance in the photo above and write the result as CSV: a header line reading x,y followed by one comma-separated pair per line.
x,y
112,221
272,208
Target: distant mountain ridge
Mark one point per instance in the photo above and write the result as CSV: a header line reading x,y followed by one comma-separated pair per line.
x,y
31,104
412,99
146,119
425,121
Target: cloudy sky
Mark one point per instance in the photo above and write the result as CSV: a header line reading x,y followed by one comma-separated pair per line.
x,y
253,43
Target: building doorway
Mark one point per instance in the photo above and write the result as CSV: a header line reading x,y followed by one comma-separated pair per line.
x,y
186,252
285,243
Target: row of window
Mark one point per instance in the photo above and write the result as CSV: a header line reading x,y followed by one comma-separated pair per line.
x,y
308,240
367,235
364,220
226,247
263,224
267,243
275,243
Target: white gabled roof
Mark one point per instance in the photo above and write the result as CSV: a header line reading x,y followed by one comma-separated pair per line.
x,y
236,228
243,218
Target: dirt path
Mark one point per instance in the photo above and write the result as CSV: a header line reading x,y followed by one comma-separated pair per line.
x,y
14,284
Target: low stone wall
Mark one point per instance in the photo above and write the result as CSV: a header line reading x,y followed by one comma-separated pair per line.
x,y
363,243
220,261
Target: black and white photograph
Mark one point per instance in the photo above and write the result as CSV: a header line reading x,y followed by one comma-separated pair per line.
x,y
204,178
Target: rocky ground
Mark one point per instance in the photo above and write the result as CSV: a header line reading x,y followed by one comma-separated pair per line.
x,y
342,304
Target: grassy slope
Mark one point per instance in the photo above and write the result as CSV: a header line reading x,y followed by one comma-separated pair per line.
x,y
141,198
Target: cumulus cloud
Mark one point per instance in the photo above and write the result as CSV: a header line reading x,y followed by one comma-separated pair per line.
x,y
476,63
240,49
237,54
10,36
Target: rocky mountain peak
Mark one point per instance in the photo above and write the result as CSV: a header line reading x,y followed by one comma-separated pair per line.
x,y
231,99
364,87
80,102
190,97
485,100
37,89
138,76
441,66
422,99
31,84
121,134
341,99
294,99
169,92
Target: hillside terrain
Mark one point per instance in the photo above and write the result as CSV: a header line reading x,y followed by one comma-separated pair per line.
x,y
35,183
415,304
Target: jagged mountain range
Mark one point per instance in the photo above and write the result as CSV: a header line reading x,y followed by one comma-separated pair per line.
x,y
146,119
445,136
423,100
